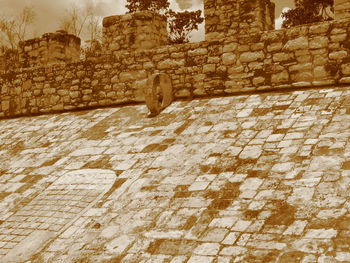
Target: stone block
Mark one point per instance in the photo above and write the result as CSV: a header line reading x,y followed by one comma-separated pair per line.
x,y
320,60
338,55
281,77
320,72
345,69
257,46
182,93
28,247
62,92
230,47
5,105
298,43
301,67
118,245
282,56
252,56
251,152
198,52
342,9
339,37
58,107
344,80
303,76
74,94
319,28
258,81
318,42
209,68
170,63
274,47
228,58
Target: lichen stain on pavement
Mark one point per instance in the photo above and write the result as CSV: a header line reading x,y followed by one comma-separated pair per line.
x,y
282,214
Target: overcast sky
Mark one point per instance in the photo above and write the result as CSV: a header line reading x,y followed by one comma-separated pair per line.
x,y
49,13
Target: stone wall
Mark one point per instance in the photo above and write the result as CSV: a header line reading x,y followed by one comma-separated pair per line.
x,y
2,62
134,31
304,56
58,47
342,9
232,18
8,59
313,55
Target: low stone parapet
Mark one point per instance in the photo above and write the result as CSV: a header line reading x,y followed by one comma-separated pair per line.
x,y
58,47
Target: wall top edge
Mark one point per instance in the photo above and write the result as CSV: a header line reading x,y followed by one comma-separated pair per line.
x,y
298,30
59,35
141,15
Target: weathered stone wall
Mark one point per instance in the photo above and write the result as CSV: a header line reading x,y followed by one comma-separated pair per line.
x,y
304,56
2,62
342,9
8,59
232,18
134,31
58,47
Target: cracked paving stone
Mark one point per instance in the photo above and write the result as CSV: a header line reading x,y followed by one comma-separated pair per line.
x,y
249,178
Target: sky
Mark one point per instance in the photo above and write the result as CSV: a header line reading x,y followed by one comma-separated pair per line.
x,y
49,13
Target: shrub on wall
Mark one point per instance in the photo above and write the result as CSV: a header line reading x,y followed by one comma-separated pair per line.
x,y
180,24
308,11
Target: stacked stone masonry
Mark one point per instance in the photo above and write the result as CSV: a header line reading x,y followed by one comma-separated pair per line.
x,y
342,8
51,48
134,31
305,56
2,62
231,18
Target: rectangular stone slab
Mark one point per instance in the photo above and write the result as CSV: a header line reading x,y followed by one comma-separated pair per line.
x,y
28,246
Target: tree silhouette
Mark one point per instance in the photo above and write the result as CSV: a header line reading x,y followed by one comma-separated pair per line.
x,y
308,11
83,22
15,29
152,5
180,24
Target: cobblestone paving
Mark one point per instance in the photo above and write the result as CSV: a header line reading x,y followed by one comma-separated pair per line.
x,y
56,206
253,178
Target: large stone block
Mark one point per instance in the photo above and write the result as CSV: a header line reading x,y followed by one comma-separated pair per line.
x,y
252,56
228,58
281,77
23,251
295,44
319,42
170,63
342,9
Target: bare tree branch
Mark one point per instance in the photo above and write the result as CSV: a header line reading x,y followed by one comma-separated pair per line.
x,y
15,29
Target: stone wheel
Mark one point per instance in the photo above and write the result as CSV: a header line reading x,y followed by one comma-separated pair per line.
x,y
159,93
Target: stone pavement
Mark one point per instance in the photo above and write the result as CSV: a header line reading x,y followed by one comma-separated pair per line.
x,y
251,178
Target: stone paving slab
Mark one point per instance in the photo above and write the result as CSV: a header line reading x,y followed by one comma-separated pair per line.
x,y
53,210
251,178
